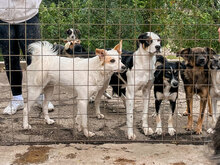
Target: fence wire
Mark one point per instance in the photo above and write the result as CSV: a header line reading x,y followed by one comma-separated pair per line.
x,y
102,24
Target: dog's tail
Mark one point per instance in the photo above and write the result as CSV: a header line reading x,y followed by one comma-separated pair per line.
x,y
42,54
41,50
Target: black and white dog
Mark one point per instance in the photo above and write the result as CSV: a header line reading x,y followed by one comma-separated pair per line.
x,y
72,44
215,89
73,34
166,88
139,76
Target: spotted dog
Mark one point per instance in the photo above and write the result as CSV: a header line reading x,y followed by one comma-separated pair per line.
x,y
166,85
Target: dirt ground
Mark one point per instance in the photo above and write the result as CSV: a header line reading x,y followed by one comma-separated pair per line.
x,y
107,154
110,129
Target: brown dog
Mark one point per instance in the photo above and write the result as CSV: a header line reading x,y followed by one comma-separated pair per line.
x,y
197,80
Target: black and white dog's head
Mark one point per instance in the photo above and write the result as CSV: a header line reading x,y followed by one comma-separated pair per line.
x,y
150,42
167,73
73,34
215,62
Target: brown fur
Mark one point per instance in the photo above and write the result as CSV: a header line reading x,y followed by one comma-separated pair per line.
x,y
197,80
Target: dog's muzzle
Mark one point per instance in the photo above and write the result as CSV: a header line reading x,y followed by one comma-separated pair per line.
x,y
157,49
174,83
201,62
123,69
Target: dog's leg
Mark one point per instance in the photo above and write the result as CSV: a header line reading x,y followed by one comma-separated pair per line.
x,y
78,120
108,96
189,101
129,111
158,120
214,106
48,92
123,97
171,130
82,106
210,105
33,93
146,99
203,102
98,100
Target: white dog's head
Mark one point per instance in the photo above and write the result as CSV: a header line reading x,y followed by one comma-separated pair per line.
x,y
150,42
111,59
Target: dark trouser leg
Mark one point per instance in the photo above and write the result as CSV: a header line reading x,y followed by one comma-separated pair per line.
x,y
28,32
10,51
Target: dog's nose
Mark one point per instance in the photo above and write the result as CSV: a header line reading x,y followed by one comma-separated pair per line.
x,y
175,84
157,47
123,67
215,61
202,60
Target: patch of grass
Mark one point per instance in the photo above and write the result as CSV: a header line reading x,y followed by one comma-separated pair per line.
x,y
173,57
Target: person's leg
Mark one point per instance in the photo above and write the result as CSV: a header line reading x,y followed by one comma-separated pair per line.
x,y
10,50
29,32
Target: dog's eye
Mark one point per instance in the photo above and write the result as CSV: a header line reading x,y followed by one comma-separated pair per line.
x,y
112,60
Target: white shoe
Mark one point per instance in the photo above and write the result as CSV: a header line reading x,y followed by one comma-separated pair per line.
x,y
13,107
40,103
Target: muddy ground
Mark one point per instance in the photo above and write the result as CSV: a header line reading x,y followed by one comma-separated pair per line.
x,y
110,129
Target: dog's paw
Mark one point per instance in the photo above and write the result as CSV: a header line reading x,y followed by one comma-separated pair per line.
x,y
148,131
26,126
88,133
210,131
198,131
131,136
171,131
185,113
50,121
158,131
108,96
100,116
188,128
179,114
217,91
154,114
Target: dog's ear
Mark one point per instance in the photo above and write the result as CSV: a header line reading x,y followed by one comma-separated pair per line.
x,y
180,65
65,41
158,71
144,39
184,53
118,47
101,53
210,51
77,33
69,31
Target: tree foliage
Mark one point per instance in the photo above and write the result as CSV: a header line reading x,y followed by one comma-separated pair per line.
x,y
180,23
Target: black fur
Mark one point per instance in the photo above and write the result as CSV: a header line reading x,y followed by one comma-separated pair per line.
x,y
144,39
164,71
77,49
115,82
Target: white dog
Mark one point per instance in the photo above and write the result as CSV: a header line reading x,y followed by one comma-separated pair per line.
x,y
86,76
215,89
140,77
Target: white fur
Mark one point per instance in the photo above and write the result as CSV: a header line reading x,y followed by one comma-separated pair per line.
x,y
215,96
86,77
140,77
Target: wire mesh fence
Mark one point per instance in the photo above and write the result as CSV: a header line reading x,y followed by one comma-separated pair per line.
x,y
82,29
